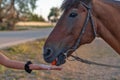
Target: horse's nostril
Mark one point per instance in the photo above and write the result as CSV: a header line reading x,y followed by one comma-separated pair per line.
x,y
48,53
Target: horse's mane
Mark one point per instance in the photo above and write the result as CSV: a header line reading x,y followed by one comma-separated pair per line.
x,y
69,3
113,1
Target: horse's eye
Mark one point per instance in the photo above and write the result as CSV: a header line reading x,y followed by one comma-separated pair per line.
x,y
73,15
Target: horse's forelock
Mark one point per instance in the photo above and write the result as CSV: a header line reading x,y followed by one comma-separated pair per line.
x,y
68,3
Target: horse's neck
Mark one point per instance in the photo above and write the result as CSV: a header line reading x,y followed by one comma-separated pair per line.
x,y
108,23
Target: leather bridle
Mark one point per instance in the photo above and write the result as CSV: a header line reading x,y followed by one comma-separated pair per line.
x,y
88,18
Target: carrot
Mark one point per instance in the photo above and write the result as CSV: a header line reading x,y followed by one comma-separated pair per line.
x,y
54,62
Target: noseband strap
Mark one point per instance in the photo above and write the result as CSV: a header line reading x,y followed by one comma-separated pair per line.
x,y
88,18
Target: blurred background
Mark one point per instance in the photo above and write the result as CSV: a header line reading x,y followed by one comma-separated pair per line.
x,y
24,27
15,13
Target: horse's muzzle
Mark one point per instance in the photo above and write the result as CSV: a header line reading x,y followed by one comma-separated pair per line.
x,y
48,53
49,56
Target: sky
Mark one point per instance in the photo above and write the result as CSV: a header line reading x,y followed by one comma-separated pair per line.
x,y
44,6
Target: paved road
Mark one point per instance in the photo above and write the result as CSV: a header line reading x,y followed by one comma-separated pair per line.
x,y
9,38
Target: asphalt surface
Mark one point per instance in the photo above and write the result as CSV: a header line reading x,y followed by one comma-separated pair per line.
x,y
10,38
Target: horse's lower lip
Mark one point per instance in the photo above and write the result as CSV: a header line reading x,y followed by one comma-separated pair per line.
x,y
60,60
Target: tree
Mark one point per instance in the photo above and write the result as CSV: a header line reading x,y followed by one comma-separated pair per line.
x,y
54,14
35,17
12,10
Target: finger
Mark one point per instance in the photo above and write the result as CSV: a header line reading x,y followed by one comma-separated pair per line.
x,y
52,68
49,67
55,68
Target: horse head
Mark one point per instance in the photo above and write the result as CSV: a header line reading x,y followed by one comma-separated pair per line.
x,y
75,27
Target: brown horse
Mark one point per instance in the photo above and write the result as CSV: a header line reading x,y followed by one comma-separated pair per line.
x,y
79,24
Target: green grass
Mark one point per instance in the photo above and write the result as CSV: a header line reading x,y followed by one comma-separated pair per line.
x,y
24,52
19,28
31,27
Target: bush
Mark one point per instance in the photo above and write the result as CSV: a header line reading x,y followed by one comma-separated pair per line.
x,y
35,17
3,26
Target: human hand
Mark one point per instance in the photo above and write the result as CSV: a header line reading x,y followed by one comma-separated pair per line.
x,y
50,67
44,67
